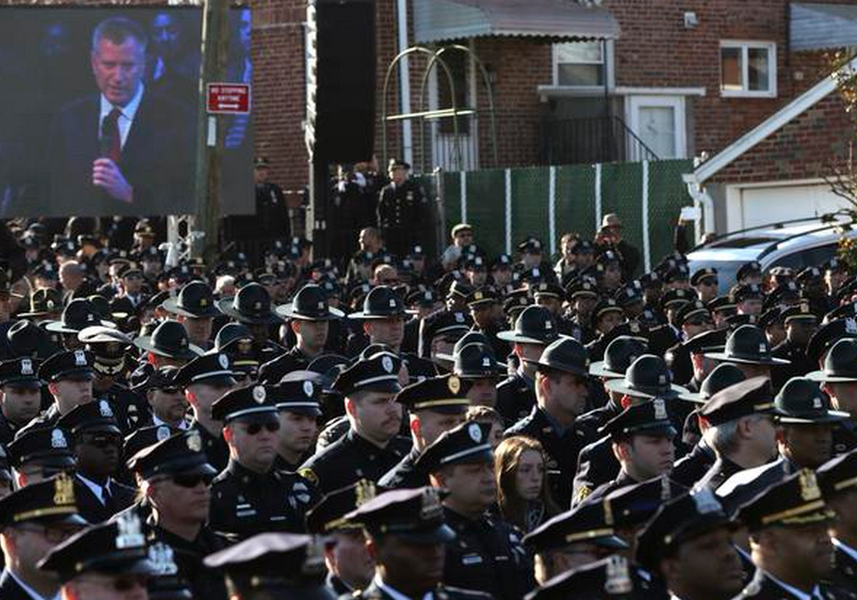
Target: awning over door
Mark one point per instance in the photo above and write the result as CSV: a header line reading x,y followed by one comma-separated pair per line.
x,y
556,20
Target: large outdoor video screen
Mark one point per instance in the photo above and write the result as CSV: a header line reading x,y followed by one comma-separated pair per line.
x,y
100,110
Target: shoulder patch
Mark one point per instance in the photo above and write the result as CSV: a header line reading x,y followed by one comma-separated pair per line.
x,y
309,475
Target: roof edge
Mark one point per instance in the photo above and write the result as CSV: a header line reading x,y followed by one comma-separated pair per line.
x,y
769,126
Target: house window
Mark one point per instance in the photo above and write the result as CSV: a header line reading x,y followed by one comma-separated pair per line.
x,y
748,69
581,64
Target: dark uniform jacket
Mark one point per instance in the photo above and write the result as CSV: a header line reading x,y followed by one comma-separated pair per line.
x,y
562,449
516,397
293,360
7,431
596,465
130,409
844,437
621,480
404,474
720,471
442,592
692,467
203,582
10,589
93,510
244,503
845,571
799,365
487,555
763,587
215,447
400,209
352,458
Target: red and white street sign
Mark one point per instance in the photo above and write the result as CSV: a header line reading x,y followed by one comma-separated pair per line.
x,y
228,98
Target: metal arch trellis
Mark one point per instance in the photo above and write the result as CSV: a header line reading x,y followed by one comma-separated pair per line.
x,y
454,112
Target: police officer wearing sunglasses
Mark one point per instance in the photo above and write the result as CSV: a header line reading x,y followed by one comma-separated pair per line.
x,y
176,481
250,496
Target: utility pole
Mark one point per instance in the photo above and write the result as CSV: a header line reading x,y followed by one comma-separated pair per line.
x,y
209,148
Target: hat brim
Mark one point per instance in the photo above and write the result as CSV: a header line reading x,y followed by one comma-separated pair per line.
x,y
822,377
612,541
513,336
619,386
363,316
225,307
722,356
287,311
558,367
599,369
145,343
171,306
441,535
58,327
41,313
301,410
831,416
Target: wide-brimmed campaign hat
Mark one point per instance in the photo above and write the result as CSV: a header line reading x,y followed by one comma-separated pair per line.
x,y
840,364
78,314
382,302
747,345
565,354
169,339
802,401
251,305
535,325
647,377
195,300
43,301
618,356
309,304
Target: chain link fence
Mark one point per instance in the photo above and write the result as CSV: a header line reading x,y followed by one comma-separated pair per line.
x,y
507,205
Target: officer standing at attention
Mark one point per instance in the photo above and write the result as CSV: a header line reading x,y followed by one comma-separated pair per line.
x,y
372,446
435,405
535,328
205,380
20,396
69,378
408,538
838,482
487,553
309,318
789,540
561,384
250,496
401,206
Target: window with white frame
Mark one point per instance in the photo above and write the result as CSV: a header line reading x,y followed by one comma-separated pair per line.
x,y
582,64
748,69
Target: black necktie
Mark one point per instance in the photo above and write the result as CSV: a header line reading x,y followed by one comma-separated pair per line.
x,y
111,139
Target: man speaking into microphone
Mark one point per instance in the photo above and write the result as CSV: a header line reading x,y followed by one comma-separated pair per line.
x,y
125,150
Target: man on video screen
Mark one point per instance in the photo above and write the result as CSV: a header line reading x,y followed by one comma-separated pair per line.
x,y
126,150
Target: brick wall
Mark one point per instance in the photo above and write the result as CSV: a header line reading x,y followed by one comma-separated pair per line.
x,y
805,148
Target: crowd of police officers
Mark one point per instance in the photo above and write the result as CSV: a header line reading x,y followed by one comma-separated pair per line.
x,y
302,429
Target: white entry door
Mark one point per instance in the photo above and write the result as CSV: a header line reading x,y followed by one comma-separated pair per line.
x,y
658,121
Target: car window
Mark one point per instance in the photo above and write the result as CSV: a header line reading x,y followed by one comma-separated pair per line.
x,y
791,261
810,257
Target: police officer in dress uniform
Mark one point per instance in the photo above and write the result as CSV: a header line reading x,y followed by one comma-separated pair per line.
x,y
349,565
19,395
68,376
606,579
800,323
408,539
372,446
250,496
838,482
487,553
97,447
535,328
838,379
33,520
401,205
194,307
789,540
561,386
176,480
434,405
688,544
309,317
206,379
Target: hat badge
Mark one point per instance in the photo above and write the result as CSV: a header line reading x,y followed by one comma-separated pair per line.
x,y
486,361
618,580
79,358
454,384
194,442
257,306
104,409
392,303
459,317
50,304
387,363
162,433
809,489
660,409
320,305
26,366
203,302
364,492
308,388
474,432
548,324
58,439
223,360
477,296
63,490
129,531
259,394
817,403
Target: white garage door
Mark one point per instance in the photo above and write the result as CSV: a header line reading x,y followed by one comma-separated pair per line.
x,y
763,205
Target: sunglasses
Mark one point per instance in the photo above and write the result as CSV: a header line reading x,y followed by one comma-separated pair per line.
x,y
256,428
191,481
103,441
